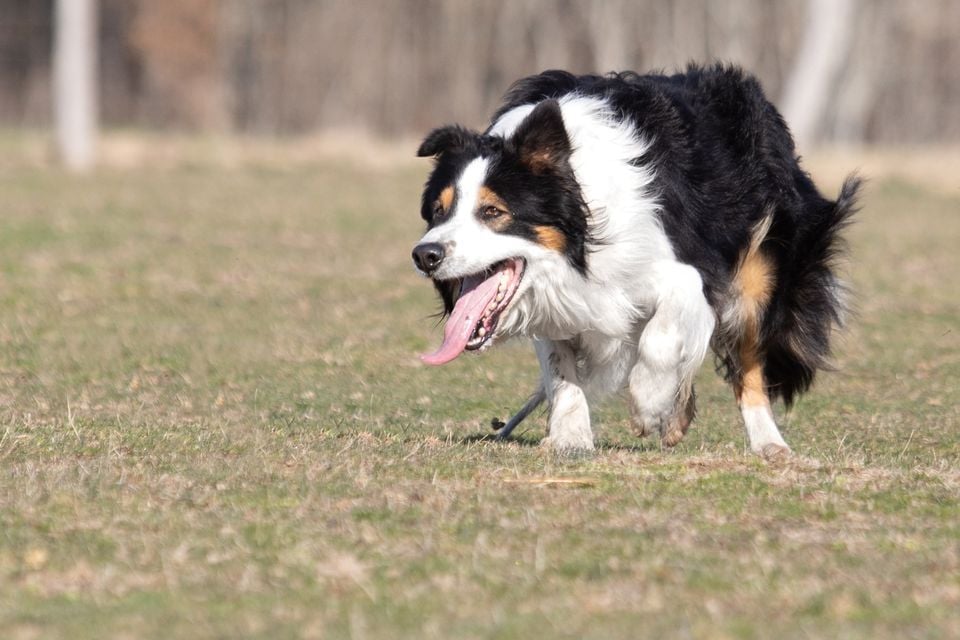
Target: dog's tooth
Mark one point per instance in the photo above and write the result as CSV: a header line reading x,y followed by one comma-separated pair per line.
x,y
481,332
500,296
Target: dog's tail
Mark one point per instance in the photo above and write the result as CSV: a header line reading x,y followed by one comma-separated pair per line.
x,y
797,329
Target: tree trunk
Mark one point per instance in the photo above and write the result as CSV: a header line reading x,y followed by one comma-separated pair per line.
x,y
74,82
823,52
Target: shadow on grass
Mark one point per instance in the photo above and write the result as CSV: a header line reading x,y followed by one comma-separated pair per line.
x,y
524,440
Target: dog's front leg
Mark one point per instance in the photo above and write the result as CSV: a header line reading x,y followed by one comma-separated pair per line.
x,y
569,422
671,348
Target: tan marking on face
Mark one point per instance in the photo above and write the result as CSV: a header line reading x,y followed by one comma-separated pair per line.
x,y
551,238
487,197
446,198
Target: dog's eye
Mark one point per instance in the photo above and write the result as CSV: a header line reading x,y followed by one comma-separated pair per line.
x,y
490,212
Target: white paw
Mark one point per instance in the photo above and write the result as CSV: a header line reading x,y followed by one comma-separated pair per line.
x,y
568,444
773,451
569,420
765,438
670,420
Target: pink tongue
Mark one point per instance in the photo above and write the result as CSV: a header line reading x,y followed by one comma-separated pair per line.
x,y
468,310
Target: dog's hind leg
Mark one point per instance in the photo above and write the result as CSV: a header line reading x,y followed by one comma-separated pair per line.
x,y
751,392
754,282
672,347
534,401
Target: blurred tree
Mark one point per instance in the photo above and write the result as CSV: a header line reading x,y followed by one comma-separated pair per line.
x,y
886,74
177,43
75,82
823,53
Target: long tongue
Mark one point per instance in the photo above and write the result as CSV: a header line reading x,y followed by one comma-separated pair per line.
x,y
475,296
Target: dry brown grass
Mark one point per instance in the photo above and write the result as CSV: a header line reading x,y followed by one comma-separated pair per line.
x,y
213,423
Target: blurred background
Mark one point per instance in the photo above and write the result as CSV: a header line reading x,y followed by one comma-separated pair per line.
x,y
878,72
213,419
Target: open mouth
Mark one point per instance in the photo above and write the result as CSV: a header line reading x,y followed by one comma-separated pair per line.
x,y
482,300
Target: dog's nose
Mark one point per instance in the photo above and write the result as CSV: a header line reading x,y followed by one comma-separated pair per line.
x,y
428,256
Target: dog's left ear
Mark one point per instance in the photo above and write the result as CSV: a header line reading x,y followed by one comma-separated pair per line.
x,y
450,138
541,139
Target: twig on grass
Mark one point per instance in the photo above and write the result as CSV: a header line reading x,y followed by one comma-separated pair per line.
x,y
553,481
72,424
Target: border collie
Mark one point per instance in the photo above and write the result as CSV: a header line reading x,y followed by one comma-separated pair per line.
x,y
626,223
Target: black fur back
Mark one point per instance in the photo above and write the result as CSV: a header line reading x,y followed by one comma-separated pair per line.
x,y
724,159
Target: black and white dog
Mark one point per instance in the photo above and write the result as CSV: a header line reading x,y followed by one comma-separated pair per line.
x,y
626,223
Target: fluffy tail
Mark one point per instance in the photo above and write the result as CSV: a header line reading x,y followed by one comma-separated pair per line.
x,y
796,337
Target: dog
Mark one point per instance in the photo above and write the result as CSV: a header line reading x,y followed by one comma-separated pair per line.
x,y
627,224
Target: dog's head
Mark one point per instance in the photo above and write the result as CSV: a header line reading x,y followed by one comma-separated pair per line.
x,y
499,210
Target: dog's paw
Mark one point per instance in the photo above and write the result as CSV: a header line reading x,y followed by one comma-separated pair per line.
x,y
671,423
679,422
643,426
568,444
773,452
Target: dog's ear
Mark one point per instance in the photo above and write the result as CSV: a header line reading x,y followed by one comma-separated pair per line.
x,y
541,139
450,138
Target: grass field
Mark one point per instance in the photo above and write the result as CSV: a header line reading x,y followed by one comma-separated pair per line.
x,y
213,424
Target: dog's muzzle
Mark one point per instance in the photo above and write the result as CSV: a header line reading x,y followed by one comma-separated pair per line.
x,y
428,256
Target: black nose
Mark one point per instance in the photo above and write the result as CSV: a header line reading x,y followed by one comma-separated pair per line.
x,y
428,256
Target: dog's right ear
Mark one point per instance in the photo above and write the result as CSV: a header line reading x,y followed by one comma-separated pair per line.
x,y
541,139
450,138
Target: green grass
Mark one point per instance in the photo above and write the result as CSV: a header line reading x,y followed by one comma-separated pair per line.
x,y
213,424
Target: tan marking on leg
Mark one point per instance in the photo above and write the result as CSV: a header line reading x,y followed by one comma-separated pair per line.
x,y
751,388
751,391
551,238
754,282
755,279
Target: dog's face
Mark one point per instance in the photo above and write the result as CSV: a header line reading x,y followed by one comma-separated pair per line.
x,y
497,210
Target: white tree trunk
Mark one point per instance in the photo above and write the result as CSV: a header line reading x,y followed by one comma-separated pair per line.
x,y
74,82
823,52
